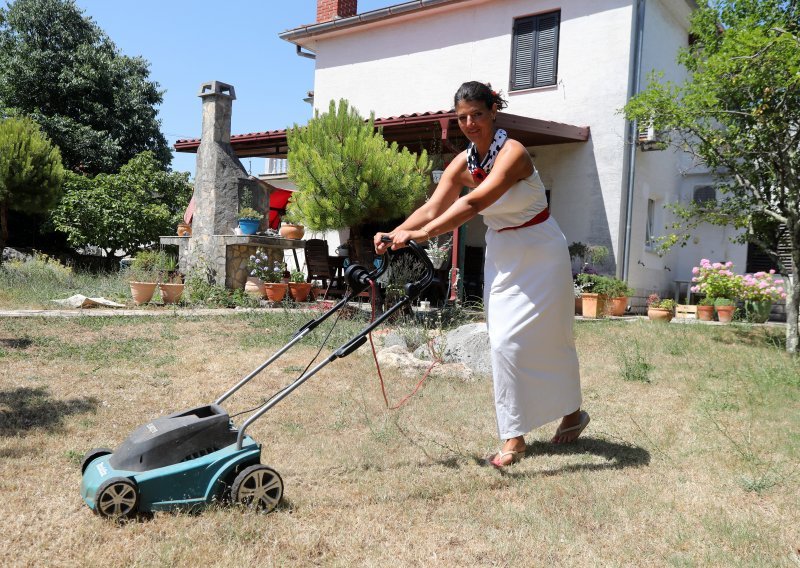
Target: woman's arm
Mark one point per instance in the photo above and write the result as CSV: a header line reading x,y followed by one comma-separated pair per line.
x,y
511,165
445,194
454,178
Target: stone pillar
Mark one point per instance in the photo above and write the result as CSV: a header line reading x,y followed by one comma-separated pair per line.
x,y
220,180
218,173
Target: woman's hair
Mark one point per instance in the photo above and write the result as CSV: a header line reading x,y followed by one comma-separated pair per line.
x,y
477,91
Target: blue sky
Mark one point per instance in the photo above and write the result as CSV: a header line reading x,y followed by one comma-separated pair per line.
x,y
188,42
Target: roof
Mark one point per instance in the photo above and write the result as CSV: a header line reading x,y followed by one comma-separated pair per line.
x,y
301,34
415,131
297,35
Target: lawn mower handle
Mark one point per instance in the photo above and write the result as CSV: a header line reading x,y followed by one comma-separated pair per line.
x,y
412,289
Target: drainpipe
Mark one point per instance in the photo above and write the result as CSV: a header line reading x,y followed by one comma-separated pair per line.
x,y
302,53
633,90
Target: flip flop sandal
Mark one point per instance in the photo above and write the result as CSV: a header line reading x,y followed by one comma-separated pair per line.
x,y
584,422
497,459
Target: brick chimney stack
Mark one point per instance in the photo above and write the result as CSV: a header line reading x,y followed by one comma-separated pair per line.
x,y
332,9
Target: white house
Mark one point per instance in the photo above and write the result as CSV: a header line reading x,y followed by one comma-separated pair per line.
x,y
566,68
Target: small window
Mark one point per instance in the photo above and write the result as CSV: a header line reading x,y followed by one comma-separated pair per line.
x,y
704,194
649,230
534,51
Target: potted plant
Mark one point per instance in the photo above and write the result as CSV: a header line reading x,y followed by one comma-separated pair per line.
x,y
660,310
759,291
705,309
170,279
249,218
298,287
291,229
717,280
577,289
593,297
143,275
270,273
439,250
617,292
725,308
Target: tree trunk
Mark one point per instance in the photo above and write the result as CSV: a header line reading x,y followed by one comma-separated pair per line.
x,y
792,301
793,293
3,227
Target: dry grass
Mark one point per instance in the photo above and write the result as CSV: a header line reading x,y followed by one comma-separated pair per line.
x,y
692,462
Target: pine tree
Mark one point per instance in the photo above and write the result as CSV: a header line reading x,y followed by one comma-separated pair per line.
x,y
347,174
30,171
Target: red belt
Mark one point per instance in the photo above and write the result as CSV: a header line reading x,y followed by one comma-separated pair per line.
x,y
540,217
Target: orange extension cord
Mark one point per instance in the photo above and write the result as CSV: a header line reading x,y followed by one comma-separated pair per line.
x,y
377,365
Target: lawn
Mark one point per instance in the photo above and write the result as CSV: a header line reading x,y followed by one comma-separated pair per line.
x,y
690,459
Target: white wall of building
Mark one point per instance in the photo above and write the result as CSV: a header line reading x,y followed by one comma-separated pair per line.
x,y
416,63
670,176
416,66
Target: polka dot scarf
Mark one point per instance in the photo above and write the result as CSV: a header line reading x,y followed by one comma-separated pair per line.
x,y
480,171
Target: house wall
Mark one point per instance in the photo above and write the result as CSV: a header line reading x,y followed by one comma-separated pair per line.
x,y
670,176
416,66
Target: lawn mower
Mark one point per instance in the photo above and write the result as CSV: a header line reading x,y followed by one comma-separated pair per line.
x,y
197,456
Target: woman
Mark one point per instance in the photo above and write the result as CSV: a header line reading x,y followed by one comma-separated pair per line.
x,y
528,293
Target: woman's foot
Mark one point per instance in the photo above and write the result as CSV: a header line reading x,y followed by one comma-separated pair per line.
x,y
571,427
512,451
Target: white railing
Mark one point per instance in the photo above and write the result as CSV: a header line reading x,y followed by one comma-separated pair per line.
x,y
275,166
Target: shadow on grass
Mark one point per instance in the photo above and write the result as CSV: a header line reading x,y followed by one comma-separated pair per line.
x,y
617,456
22,343
757,336
32,408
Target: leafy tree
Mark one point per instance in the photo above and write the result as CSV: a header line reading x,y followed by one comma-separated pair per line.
x,y
348,175
58,67
739,113
122,212
30,171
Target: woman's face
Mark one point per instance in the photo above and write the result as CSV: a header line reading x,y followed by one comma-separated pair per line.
x,y
476,120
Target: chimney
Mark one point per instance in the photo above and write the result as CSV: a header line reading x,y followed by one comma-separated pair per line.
x,y
332,9
218,99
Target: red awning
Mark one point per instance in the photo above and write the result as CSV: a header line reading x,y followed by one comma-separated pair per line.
x,y
278,200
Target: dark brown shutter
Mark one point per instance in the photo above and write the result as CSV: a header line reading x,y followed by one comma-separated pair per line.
x,y
534,57
522,57
546,62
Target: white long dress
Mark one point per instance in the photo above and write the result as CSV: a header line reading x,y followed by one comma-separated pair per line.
x,y
530,305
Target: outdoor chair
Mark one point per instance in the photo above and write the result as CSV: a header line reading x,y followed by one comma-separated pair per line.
x,y
321,267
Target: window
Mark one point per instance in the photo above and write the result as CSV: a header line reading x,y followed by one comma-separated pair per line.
x,y
704,194
534,51
649,230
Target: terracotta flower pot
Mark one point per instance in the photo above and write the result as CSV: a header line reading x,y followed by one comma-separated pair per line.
x,y
725,313
292,231
578,305
254,287
594,305
659,314
142,292
171,293
616,306
299,290
705,313
275,291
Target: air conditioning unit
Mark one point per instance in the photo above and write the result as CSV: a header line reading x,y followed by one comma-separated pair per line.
x,y
647,137
647,133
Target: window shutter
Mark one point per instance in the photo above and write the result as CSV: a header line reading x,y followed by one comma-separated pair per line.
x,y
522,65
546,50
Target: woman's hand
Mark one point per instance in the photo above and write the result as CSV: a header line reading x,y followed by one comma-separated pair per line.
x,y
399,239
382,246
